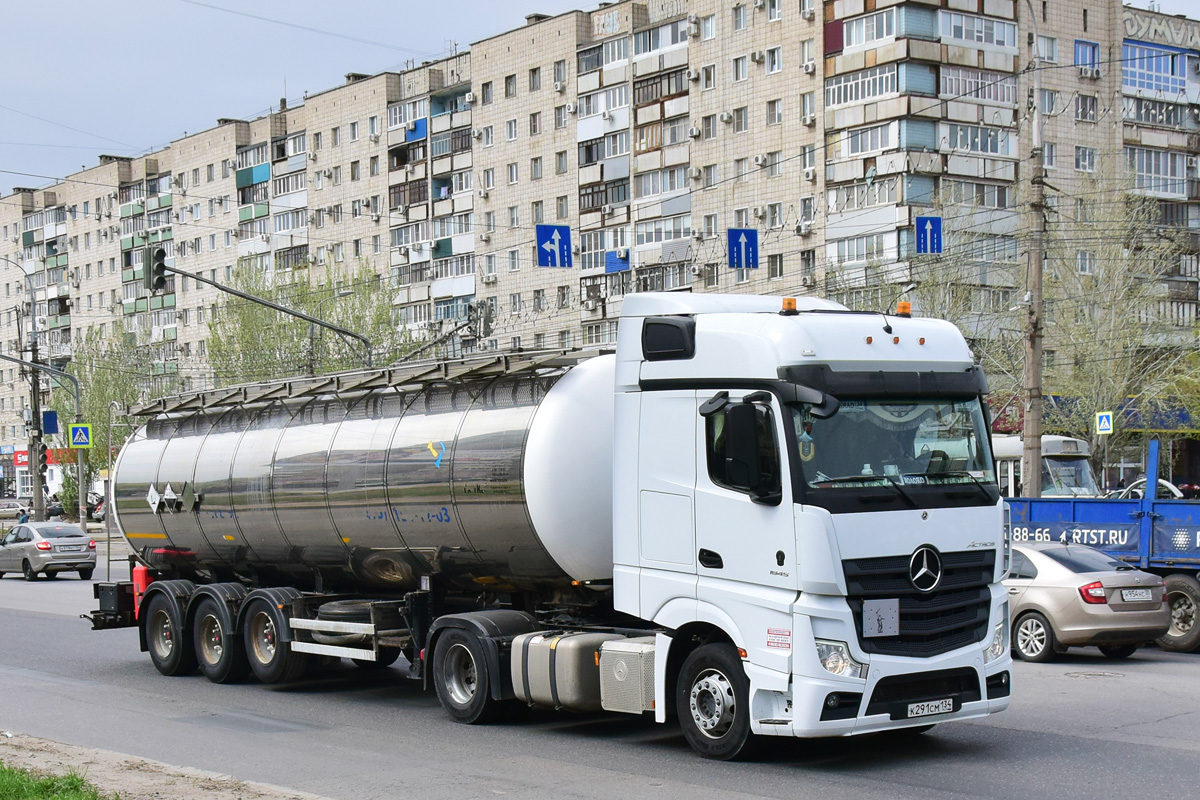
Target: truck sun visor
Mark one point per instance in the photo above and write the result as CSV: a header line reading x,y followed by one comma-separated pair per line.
x,y
970,381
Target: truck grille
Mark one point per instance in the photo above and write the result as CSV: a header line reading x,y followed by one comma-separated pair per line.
x,y
954,615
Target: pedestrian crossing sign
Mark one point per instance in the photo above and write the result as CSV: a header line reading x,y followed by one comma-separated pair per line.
x,y
81,436
1104,423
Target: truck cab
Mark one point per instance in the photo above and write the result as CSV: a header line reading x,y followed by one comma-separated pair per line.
x,y
809,491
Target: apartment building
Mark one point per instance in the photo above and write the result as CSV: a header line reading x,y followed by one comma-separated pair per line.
x,y
648,129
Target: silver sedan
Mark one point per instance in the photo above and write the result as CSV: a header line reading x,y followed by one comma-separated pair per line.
x,y
1072,595
47,548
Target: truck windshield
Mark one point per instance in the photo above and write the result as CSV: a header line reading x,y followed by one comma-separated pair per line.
x,y
1068,476
893,441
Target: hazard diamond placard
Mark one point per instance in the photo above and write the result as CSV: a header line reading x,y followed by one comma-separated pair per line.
x,y
81,436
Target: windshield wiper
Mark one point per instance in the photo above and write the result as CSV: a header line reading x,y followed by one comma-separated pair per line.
x,y
962,474
851,479
899,487
874,480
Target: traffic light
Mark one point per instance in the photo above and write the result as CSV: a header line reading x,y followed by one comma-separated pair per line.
x,y
42,457
156,270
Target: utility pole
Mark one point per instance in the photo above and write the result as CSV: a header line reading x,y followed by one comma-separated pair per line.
x,y
1031,427
35,407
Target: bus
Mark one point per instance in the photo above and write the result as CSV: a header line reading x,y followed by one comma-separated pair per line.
x,y
1066,470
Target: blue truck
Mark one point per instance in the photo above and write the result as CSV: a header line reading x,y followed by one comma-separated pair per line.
x,y
1160,536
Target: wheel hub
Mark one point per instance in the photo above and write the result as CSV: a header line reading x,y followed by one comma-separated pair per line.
x,y
461,676
712,704
1183,615
1031,637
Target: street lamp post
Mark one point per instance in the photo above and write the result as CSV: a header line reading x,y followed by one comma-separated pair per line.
x,y
312,328
35,399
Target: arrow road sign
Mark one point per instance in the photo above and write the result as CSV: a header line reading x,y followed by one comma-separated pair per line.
x,y
929,234
743,248
81,436
553,246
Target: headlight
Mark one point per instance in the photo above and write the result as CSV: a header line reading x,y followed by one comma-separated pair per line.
x,y
999,644
835,658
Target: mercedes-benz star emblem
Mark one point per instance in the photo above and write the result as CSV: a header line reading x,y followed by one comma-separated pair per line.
x,y
925,569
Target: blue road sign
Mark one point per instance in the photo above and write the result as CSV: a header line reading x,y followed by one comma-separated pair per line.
x,y
49,423
929,234
6,449
553,246
81,436
1104,423
743,248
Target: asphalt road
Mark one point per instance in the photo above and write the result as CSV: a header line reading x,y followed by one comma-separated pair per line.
x,y
1083,727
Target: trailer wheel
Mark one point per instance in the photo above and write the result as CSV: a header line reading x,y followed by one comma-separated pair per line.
x,y
1183,596
271,658
170,649
712,699
220,652
460,675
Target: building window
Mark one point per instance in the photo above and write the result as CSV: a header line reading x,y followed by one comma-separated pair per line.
x,y
1085,262
963,82
562,206
510,86
740,18
774,112
741,169
535,168
1085,159
510,130
708,77
1047,49
485,93
710,226
775,266
774,10
978,30
1049,154
775,215
560,116
774,60
1085,107
1160,171
710,174
708,27
869,29
560,70
1153,69
741,119
354,131
535,123
1087,54
774,164
560,162
708,126
535,79
857,87
980,139
739,68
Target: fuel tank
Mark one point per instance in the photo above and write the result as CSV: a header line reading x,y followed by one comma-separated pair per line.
x,y
490,484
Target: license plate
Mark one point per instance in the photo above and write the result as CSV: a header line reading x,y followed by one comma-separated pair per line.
x,y
932,707
1133,595
69,549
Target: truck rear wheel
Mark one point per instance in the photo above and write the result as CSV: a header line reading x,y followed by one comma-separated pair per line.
x,y
170,649
1183,597
460,675
220,652
271,658
712,699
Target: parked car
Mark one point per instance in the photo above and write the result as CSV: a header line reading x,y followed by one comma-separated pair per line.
x,y
1072,595
1137,490
98,512
47,548
11,509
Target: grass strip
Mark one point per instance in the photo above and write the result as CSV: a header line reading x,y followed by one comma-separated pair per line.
x,y
21,784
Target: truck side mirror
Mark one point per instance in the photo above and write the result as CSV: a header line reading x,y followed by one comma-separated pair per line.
x,y
741,446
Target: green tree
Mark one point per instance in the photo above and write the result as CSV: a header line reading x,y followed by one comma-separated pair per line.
x,y
113,371
250,342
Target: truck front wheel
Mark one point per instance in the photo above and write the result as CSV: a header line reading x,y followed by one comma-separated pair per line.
x,y
271,658
461,678
712,700
1183,597
220,653
170,650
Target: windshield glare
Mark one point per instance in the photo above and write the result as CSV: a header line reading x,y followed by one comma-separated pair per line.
x,y
1068,476
889,440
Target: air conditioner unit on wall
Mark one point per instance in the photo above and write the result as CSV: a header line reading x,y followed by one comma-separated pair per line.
x,y
760,161
810,173
808,280
693,74
803,228
697,270
695,173
590,305
726,117
808,13
810,67
570,108
560,86
757,56
808,120
469,97
489,278
694,132
622,253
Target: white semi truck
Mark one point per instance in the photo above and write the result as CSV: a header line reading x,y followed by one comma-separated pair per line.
x,y
759,516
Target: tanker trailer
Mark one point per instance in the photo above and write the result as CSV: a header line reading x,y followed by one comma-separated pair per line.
x,y
746,517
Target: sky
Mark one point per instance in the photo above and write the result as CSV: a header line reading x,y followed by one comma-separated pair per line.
x,y
123,77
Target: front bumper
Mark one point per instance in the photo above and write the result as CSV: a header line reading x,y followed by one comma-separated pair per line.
x,y
822,704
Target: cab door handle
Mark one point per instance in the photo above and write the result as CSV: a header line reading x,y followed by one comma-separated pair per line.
x,y
709,559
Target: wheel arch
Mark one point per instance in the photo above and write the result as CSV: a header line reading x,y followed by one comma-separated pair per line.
x,y
495,630
280,597
178,591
